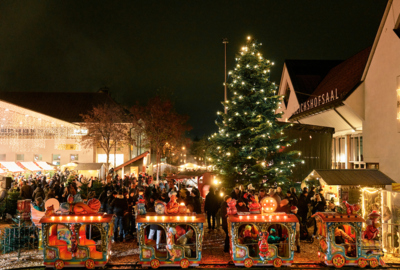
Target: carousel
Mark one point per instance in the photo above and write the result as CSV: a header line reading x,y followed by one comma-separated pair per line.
x,y
172,236
261,237
66,234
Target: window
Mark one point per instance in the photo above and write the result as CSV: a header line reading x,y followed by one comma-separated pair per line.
x,y
339,153
19,157
74,157
56,159
287,95
37,157
2,157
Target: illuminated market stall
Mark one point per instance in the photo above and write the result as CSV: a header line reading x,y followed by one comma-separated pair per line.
x,y
371,189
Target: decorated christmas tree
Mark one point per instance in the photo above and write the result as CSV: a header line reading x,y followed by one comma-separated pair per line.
x,y
251,144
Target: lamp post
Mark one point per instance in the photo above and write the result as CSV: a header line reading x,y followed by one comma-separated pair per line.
x,y
225,41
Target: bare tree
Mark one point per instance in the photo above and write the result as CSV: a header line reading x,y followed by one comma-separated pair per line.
x,y
160,123
106,128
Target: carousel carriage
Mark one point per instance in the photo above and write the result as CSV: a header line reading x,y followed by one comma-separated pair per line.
x,y
357,250
265,239
179,235
64,235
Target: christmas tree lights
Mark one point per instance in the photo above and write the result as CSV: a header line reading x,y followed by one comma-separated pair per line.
x,y
250,144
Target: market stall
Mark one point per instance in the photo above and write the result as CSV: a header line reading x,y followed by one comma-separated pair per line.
x,y
202,180
371,189
91,169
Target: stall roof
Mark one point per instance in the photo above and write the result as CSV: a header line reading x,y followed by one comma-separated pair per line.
x,y
88,166
184,175
131,161
353,177
12,166
30,166
45,166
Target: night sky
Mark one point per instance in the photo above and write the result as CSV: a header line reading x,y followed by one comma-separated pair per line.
x,y
137,47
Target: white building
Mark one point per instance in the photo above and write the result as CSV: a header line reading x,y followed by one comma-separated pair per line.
x,y
45,127
359,97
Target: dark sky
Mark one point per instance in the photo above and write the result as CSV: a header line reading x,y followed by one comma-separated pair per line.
x,y
137,47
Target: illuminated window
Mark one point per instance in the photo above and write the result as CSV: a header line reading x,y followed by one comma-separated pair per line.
x,y
2,157
19,157
74,157
37,157
56,159
101,158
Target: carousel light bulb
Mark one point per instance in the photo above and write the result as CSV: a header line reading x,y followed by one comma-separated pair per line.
x,y
178,217
163,218
248,217
240,217
68,218
52,218
155,218
99,217
60,218
84,218
185,218
285,217
91,218
76,218
192,218
148,218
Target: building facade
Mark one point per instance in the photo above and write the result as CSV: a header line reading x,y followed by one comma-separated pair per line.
x,y
358,97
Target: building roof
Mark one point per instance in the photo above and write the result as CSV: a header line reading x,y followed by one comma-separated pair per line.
x,y
64,106
306,75
88,166
354,177
345,77
132,160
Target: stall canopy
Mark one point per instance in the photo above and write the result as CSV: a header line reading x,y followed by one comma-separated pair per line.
x,y
89,166
45,166
30,166
1,171
11,166
352,177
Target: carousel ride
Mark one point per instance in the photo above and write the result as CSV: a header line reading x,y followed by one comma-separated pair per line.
x,y
178,235
66,231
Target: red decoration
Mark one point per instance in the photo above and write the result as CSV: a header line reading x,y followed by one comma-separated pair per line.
x,y
263,245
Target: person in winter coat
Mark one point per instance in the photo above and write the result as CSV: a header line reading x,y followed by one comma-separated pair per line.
x,y
195,194
133,198
224,215
292,199
318,206
310,195
293,192
26,192
303,207
110,198
38,193
120,207
279,192
211,208
236,194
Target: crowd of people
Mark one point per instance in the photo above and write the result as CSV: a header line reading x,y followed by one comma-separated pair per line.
x,y
120,195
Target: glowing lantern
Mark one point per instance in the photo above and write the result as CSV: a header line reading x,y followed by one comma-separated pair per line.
x,y
269,204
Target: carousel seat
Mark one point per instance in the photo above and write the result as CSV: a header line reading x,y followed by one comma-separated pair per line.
x,y
90,244
61,245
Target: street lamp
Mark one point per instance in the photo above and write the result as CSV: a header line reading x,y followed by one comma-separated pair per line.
x,y
225,41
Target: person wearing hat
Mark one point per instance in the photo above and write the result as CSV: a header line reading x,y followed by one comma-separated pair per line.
x,y
294,210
